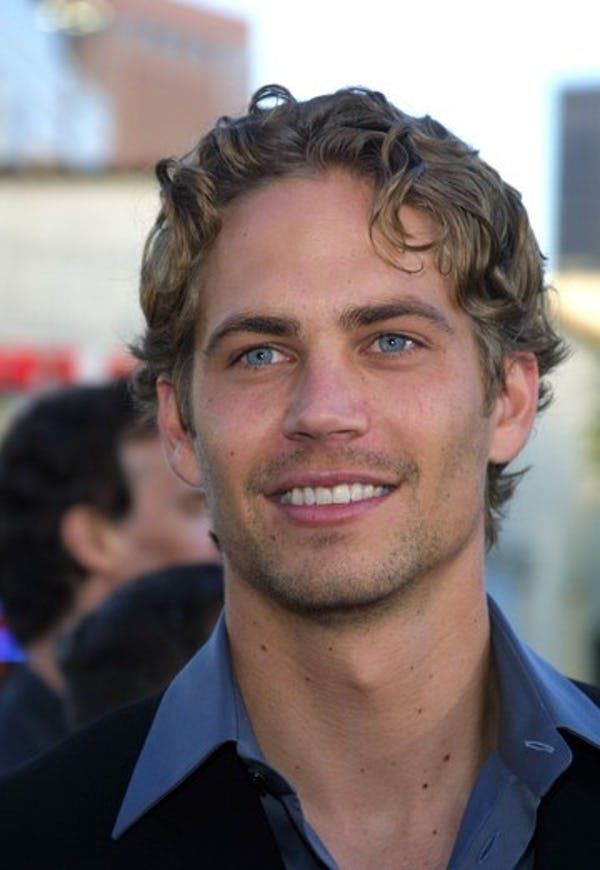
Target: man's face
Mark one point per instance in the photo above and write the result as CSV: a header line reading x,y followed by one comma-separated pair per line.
x,y
167,523
338,402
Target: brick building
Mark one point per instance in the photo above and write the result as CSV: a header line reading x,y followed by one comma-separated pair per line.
x,y
168,70
106,86
113,84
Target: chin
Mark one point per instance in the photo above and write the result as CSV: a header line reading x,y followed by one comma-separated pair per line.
x,y
336,598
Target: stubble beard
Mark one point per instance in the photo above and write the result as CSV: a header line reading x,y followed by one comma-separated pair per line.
x,y
328,578
319,586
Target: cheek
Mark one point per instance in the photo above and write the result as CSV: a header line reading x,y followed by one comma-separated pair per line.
x,y
463,455
236,405
444,429
219,426
218,459
233,427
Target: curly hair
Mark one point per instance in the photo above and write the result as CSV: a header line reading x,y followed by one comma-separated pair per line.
x,y
483,237
61,450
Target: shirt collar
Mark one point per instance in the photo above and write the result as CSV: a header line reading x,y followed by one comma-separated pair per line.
x,y
537,703
202,709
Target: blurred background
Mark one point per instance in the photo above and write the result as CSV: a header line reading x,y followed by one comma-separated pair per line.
x,y
93,92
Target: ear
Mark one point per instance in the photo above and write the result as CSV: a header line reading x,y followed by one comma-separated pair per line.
x,y
515,407
177,441
90,539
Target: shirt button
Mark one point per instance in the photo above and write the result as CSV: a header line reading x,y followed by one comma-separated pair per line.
x,y
258,781
538,746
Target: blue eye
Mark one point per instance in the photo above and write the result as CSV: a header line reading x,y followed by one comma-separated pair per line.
x,y
259,356
392,342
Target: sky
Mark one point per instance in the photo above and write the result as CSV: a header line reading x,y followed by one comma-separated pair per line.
x,y
491,72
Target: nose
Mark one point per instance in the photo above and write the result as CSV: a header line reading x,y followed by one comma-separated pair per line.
x,y
329,402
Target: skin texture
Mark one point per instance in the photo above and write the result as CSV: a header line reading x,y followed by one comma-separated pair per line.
x,y
331,402
370,619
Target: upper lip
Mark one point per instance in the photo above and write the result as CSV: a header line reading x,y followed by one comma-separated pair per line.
x,y
327,478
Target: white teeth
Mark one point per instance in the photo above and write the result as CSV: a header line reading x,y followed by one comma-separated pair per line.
x,y
342,493
309,495
356,492
323,495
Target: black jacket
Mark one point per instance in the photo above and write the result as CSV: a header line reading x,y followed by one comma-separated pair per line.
x,y
32,719
59,811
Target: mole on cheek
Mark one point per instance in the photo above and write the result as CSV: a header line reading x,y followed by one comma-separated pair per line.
x,y
263,647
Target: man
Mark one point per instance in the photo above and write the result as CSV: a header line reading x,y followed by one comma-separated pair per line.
x,y
86,502
348,334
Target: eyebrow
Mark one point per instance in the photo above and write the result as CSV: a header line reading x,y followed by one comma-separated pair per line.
x,y
261,324
367,315
289,327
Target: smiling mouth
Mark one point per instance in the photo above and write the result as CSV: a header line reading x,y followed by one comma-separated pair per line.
x,y
341,493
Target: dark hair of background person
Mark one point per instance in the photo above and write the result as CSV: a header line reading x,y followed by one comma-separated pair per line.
x,y
138,639
61,450
483,236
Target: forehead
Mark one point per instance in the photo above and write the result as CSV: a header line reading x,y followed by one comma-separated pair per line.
x,y
301,239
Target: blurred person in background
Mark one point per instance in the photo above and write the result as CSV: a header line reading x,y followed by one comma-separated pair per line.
x,y
138,639
87,502
348,338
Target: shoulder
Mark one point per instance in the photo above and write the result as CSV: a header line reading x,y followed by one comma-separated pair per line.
x,y
77,786
108,745
568,833
31,719
593,692
60,811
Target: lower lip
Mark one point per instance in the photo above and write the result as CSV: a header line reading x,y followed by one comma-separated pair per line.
x,y
328,514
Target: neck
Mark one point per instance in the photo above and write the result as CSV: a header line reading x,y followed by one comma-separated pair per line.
x,y
402,703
